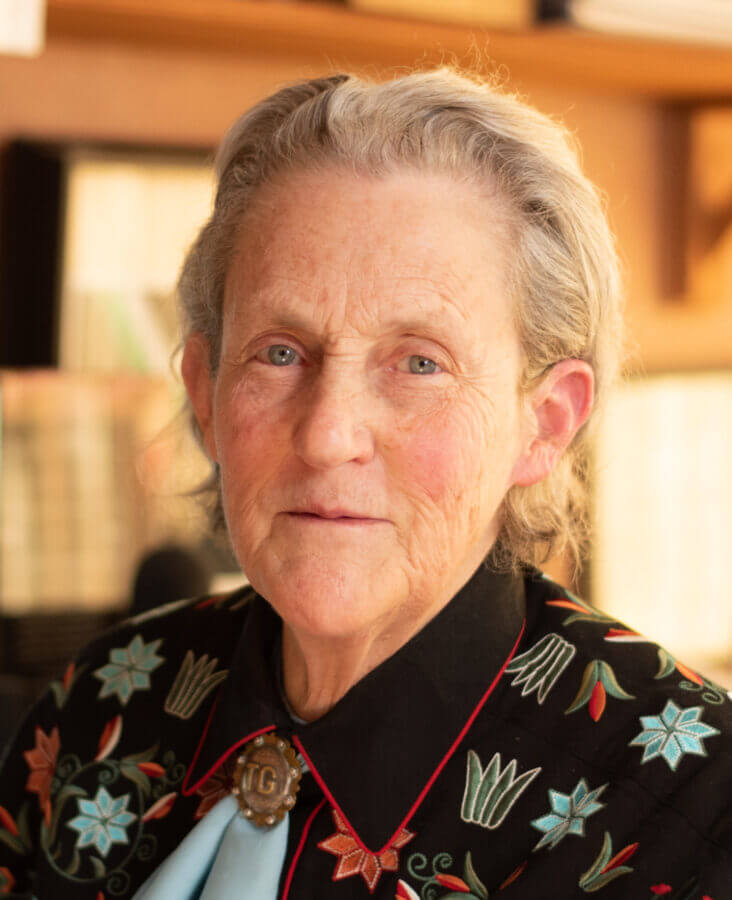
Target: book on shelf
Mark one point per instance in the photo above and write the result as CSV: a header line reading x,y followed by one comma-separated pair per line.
x,y
511,14
697,21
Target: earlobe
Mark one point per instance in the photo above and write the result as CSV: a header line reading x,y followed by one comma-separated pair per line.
x,y
560,405
196,372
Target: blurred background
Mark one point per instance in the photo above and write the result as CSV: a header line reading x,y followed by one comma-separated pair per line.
x,y
109,113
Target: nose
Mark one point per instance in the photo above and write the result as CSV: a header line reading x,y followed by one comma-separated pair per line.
x,y
332,425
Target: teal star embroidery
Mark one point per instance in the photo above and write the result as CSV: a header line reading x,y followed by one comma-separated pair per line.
x,y
568,814
128,669
672,734
102,821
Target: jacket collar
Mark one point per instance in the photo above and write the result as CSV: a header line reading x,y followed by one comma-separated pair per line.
x,y
377,752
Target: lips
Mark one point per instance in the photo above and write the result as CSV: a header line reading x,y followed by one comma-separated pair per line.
x,y
342,521
332,513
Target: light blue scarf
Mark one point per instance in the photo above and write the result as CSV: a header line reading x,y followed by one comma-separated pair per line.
x,y
223,853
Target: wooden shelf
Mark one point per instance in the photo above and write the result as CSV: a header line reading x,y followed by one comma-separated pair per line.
x,y
551,54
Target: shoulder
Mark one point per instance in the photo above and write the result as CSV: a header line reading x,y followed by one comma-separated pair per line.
x,y
200,622
616,703
616,661
120,721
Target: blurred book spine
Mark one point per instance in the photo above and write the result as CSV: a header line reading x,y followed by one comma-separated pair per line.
x,y
699,21
515,14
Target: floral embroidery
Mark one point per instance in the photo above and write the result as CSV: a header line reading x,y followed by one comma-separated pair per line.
x,y
469,885
668,664
540,667
6,880
193,683
513,876
581,611
102,821
215,788
354,860
232,600
61,689
568,815
625,636
15,833
606,867
672,734
490,794
42,764
161,807
110,830
687,890
109,738
128,669
597,682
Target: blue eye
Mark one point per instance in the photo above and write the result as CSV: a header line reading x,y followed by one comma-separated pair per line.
x,y
422,365
281,354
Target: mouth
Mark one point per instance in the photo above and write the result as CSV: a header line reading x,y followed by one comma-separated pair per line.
x,y
331,520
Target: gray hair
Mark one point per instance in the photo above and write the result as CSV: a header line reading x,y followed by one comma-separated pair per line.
x,y
564,272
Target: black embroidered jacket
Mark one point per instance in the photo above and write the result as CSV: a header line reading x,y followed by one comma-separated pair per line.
x,y
522,745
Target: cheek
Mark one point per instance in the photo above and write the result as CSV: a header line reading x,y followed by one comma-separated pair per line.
x,y
431,460
247,441
459,462
442,456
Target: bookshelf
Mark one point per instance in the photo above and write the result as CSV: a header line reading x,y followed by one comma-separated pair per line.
x,y
555,53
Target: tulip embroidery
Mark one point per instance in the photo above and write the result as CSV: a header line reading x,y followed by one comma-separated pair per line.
x,y
539,668
490,793
193,683
580,611
597,682
606,867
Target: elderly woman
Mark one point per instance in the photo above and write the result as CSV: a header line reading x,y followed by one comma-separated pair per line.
x,y
398,322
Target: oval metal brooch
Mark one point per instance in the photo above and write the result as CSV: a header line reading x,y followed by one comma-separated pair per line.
x,y
266,779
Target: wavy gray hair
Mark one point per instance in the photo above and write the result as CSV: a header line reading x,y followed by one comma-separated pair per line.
x,y
564,273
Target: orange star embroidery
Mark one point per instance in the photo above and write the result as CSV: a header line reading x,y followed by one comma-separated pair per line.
x,y
354,860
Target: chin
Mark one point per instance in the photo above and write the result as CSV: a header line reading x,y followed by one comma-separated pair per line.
x,y
324,601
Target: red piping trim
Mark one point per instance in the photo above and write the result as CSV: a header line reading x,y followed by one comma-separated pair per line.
x,y
425,790
300,846
185,789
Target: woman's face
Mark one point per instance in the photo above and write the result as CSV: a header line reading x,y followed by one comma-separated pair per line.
x,y
369,364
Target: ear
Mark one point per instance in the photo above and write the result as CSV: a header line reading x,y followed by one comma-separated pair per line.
x,y
196,372
559,406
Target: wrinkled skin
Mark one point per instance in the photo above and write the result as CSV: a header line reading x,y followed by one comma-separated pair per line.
x,y
362,278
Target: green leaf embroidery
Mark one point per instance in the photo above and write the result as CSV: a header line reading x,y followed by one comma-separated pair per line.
x,y
136,776
472,783
472,880
489,796
607,676
487,784
666,663
13,841
585,689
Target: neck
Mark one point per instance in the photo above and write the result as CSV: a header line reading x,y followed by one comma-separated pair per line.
x,y
318,671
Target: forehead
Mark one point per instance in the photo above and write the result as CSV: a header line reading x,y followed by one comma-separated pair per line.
x,y
362,250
